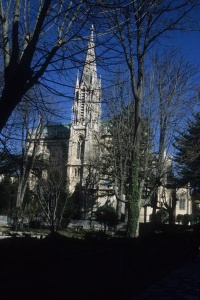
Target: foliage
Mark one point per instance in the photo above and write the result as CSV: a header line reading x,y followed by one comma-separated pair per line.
x,y
196,212
118,157
16,217
186,219
188,154
7,195
179,218
9,163
107,215
160,217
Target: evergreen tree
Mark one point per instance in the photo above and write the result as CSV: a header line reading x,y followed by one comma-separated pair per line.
x,y
107,215
9,163
188,154
7,193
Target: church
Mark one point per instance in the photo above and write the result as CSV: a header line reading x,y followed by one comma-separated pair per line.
x,y
86,116
75,147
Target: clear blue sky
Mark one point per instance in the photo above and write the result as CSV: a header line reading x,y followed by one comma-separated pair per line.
x,y
189,42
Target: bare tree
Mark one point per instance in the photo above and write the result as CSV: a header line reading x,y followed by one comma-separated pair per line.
x,y
30,141
21,139
137,26
170,94
51,192
38,40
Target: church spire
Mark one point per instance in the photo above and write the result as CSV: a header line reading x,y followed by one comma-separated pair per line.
x,y
86,108
89,76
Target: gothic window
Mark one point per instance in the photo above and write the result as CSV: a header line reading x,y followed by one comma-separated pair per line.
x,y
182,203
75,117
80,148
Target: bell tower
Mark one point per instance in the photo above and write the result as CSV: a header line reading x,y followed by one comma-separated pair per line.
x,y
86,114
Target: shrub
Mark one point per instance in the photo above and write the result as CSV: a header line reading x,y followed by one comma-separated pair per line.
x,y
179,218
160,217
107,215
35,224
186,219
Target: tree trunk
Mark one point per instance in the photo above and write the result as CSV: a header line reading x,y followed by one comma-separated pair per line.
x,y
134,199
105,228
52,228
8,101
172,209
119,209
155,205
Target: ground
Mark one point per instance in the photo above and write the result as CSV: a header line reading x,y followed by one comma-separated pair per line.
x,y
97,269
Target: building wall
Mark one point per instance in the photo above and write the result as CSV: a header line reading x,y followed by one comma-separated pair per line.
x,y
183,204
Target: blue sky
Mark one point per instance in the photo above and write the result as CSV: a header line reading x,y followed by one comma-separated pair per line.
x,y
189,42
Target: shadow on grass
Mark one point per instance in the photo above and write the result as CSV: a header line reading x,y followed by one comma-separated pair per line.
x,y
68,268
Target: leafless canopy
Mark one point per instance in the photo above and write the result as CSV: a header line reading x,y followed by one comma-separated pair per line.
x,y
38,40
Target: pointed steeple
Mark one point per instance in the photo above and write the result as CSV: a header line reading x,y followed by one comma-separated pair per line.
x,y
89,76
86,108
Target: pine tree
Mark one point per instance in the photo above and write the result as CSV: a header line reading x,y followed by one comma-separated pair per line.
x,y
188,154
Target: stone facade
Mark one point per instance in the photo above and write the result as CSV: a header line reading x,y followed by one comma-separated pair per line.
x,y
85,127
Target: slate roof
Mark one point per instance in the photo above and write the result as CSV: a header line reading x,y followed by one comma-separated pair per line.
x,y
57,131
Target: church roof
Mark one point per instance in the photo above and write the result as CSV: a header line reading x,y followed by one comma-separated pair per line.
x,y
56,131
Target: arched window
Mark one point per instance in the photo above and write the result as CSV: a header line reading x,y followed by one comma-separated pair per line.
x,y
80,148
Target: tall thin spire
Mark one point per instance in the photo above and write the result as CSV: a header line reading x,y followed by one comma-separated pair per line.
x,y
86,107
89,75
